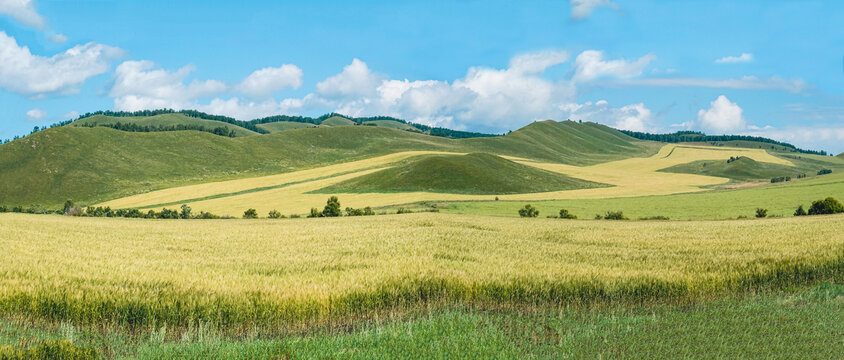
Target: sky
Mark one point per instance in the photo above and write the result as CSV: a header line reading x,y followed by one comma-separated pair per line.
x,y
767,68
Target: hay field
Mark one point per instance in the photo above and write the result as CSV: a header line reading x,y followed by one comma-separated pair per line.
x,y
297,271
289,193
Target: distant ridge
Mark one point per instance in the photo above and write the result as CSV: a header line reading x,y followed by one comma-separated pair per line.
x,y
696,136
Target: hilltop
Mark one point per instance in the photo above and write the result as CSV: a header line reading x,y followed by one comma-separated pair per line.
x,y
746,169
163,121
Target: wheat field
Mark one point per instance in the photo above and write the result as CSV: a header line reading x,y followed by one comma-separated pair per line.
x,y
290,192
294,272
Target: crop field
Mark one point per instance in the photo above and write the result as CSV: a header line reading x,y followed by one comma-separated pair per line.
x,y
294,192
296,272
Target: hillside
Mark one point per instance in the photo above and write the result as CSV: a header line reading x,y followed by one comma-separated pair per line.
x,y
476,173
747,169
391,124
92,165
337,121
279,126
163,120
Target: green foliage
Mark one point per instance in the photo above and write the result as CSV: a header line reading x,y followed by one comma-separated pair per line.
x,y
404,211
826,206
367,211
800,211
656,217
528,211
615,215
824,172
48,349
274,214
694,136
780,179
332,207
476,173
250,214
760,212
315,213
168,214
185,214
565,214
744,169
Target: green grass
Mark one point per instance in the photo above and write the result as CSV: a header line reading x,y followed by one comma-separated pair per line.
x,y
476,173
747,169
278,126
780,199
91,165
163,120
391,124
337,121
777,324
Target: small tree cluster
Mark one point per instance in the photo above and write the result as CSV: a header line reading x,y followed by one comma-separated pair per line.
x,y
612,215
824,172
274,214
760,213
529,211
780,179
826,206
250,214
367,211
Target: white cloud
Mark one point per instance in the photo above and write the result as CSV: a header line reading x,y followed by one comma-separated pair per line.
x,y
247,110
723,116
73,114
746,83
635,117
355,80
138,86
27,74
35,114
262,83
590,65
57,38
581,9
538,62
23,11
743,58
829,138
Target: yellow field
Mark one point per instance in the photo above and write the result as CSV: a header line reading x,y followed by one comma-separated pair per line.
x,y
629,177
288,271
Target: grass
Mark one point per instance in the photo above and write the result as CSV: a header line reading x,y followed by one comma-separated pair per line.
x,y
747,169
794,323
279,126
164,120
476,173
337,121
292,273
391,124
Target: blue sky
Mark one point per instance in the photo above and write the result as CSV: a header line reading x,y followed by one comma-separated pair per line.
x,y
769,68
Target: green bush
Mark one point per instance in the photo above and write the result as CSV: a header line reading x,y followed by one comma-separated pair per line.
x,y
528,211
824,172
826,206
615,215
167,214
332,207
250,214
800,211
274,214
403,211
565,214
185,214
354,212
367,211
760,212
315,213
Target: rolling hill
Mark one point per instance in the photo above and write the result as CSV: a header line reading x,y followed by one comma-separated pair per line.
x,y
92,165
163,120
742,169
391,124
337,121
280,126
476,173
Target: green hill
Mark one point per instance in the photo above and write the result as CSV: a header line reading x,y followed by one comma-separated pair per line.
x,y
477,173
391,124
92,165
162,120
841,155
747,169
337,121
279,126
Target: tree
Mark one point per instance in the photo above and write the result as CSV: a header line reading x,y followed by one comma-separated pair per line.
x,y
565,214
826,206
528,211
614,215
760,212
68,205
185,214
332,208
800,211
274,214
250,214
315,213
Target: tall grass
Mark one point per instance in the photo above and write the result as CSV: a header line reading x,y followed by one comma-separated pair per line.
x,y
297,273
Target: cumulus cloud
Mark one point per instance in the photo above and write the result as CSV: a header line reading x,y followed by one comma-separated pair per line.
x,y
581,9
138,85
24,12
590,65
36,114
635,117
57,38
246,109
27,74
355,80
743,58
262,83
722,116
830,138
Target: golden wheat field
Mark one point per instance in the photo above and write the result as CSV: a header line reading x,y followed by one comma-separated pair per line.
x,y
297,271
290,192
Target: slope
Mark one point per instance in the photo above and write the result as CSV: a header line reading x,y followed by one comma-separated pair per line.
x,y
476,173
162,120
337,121
747,169
391,124
279,126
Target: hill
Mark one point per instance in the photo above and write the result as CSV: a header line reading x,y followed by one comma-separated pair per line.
x,y
747,169
841,155
476,173
337,121
92,165
279,126
391,124
163,120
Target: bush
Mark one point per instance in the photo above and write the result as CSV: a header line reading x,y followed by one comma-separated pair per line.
x,y
528,211
354,212
780,179
760,212
3,209
599,217
315,213
824,172
403,211
274,214
565,214
185,214
332,207
250,214
826,206
615,215
657,217
168,214
800,211
295,216
367,211
206,215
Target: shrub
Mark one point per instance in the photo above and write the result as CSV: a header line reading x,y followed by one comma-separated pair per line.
x,y
824,172
780,179
354,212
332,207
3,209
403,211
760,212
528,211
295,216
168,214
657,217
206,215
185,214
800,211
826,206
565,214
250,214
615,215
315,213
367,211
68,205
274,214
